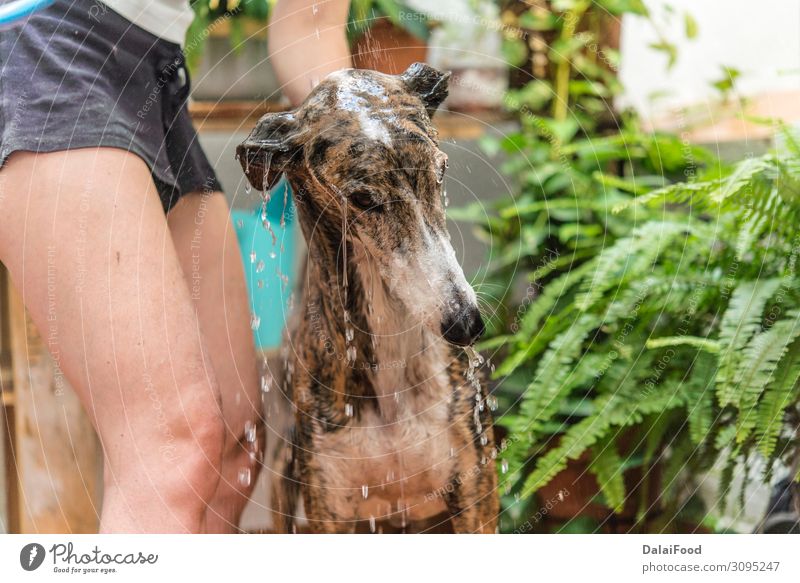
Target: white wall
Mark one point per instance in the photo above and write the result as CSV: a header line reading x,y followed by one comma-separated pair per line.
x,y
760,38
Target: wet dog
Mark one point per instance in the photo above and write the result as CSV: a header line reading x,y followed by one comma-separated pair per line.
x,y
390,423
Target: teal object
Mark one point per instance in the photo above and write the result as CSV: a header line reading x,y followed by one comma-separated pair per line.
x,y
18,9
269,268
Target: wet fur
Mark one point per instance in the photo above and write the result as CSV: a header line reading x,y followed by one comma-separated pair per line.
x,y
401,418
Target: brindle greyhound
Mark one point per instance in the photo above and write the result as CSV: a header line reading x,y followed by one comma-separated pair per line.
x,y
389,422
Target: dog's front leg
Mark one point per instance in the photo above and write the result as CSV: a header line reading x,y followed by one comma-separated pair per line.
x,y
472,500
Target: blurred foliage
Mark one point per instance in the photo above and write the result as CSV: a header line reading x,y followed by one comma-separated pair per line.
x,y
209,14
657,331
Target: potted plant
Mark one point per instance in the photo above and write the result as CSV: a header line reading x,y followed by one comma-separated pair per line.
x,y
575,159
387,35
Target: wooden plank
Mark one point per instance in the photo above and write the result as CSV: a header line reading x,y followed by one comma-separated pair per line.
x,y
56,454
243,115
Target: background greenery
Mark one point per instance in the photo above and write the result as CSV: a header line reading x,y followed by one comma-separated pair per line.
x,y
657,331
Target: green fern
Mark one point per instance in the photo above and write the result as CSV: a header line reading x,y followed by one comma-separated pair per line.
x,y
607,466
741,320
757,368
779,395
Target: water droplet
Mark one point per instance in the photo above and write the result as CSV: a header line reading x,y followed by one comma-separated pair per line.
x,y
260,283
351,354
247,188
266,383
365,491
484,439
244,476
272,255
491,400
372,523
252,256
348,409
250,431
240,223
259,267
349,334
452,452
255,322
504,466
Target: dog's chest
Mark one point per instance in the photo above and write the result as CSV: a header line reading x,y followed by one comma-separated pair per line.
x,y
396,456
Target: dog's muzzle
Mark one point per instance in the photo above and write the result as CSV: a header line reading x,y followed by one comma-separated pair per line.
x,y
463,328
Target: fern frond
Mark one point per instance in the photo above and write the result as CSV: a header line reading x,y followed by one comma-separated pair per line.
x,y
757,367
576,440
557,366
629,255
699,392
741,320
607,466
782,392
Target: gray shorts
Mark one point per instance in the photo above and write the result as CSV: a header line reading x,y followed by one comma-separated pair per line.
x,y
78,75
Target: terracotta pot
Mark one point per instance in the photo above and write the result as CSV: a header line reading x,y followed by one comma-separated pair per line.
x,y
572,491
388,49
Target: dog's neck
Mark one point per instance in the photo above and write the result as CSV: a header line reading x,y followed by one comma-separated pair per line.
x,y
374,339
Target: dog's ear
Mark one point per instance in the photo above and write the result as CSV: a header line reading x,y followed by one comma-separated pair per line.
x,y
427,83
270,149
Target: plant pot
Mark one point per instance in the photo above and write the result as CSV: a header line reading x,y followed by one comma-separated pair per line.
x,y
388,49
573,491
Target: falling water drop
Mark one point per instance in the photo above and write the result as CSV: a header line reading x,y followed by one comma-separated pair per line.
x,y
252,256
348,409
240,223
372,523
255,322
365,491
250,431
484,439
260,283
266,383
272,255
259,267
244,476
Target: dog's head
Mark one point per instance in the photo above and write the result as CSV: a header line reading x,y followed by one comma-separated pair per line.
x,y
365,164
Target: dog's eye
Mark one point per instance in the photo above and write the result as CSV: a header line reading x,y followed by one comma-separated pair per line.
x,y
363,200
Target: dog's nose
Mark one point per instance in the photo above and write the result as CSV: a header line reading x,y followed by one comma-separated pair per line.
x,y
463,328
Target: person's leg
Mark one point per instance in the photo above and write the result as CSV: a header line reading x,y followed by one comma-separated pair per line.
x,y
86,241
209,253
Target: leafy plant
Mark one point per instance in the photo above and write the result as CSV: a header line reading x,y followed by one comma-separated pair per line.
x,y
657,331
363,13
686,330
